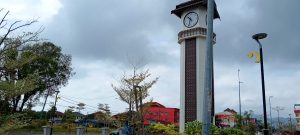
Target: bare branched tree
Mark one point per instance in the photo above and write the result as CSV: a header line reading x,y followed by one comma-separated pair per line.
x,y
133,89
125,88
8,29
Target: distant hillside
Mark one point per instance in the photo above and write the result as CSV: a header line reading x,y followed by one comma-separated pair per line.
x,y
275,120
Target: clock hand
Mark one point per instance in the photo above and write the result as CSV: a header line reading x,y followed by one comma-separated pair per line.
x,y
190,20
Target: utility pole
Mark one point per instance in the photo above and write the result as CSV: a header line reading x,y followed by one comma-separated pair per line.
x,y
208,70
52,119
240,105
271,130
213,97
277,108
41,115
291,125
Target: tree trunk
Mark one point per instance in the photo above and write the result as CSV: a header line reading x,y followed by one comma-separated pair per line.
x,y
15,103
4,106
25,99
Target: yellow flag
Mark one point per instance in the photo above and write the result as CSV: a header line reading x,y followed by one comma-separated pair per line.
x,y
256,54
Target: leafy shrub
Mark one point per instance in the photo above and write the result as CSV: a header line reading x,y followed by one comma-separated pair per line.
x,y
36,124
195,128
13,121
233,131
162,129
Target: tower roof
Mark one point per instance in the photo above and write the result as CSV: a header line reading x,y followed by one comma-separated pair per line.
x,y
193,4
230,110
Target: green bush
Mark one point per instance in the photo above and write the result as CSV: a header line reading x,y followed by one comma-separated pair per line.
x,y
12,122
162,129
233,131
195,127
36,124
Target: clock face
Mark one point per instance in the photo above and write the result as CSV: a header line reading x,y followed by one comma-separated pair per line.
x,y
190,19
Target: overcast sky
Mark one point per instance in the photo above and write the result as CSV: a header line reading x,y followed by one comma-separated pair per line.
x,y
101,35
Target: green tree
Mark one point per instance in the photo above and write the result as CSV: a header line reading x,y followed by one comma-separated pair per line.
x,y
104,108
12,38
249,127
105,114
69,116
37,70
80,106
51,112
52,66
12,84
71,108
245,123
27,70
239,121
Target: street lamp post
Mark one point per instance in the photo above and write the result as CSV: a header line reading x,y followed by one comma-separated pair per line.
x,y
291,126
52,119
257,37
278,109
240,105
271,128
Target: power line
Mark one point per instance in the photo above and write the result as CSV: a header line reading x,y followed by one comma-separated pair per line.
x,y
79,102
90,108
96,98
87,108
75,102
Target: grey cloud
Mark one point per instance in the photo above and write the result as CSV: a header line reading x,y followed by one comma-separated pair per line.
x,y
113,29
110,30
277,18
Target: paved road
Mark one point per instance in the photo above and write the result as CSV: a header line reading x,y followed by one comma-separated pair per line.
x,y
28,133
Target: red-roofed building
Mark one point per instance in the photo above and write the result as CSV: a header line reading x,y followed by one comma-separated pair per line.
x,y
157,113
226,118
297,116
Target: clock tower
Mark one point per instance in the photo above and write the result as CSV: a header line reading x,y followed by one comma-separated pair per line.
x,y
192,40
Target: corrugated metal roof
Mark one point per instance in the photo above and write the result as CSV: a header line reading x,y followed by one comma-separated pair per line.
x,y
192,4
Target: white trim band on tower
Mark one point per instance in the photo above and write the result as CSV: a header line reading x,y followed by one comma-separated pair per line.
x,y
194,32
